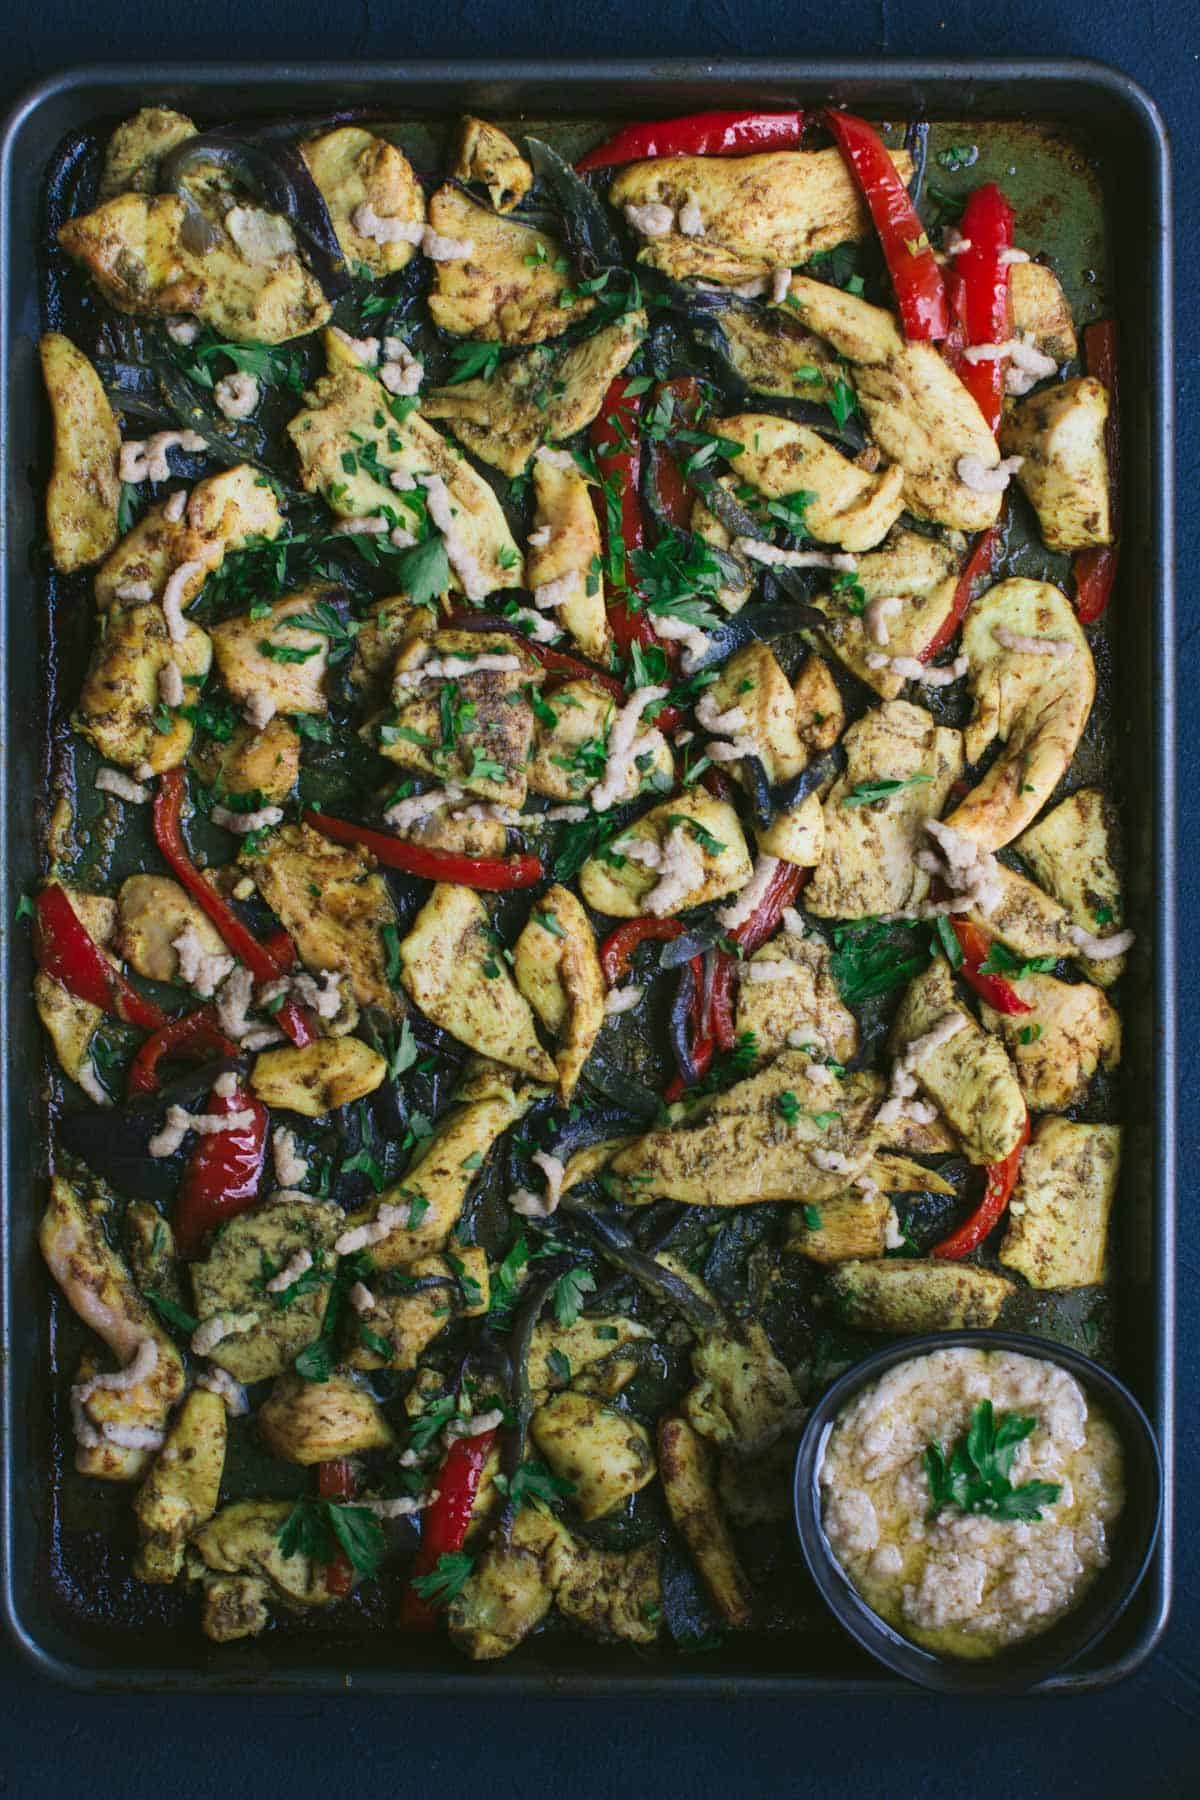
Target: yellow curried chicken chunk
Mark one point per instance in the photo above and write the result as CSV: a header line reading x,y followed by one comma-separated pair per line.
x,y
1033,680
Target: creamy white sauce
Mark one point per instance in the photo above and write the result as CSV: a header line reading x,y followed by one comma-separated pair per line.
x,y
752,895
972,873
365,349
146,459
877,615
541,629
1024,645
237,395
911,668
401,1508
1098,949
765,969
901,1102
290,1167
624,745
87,1078
115,781
693,639
781,282
233,1002
975,474
242,824
120,1381
259,710
691,219
560,592
402,815
622,999
968,1584
213,1331
201,969
541,1206
462,559
170,685
172,600
389,1218
452,667
830,1162
289,1275
759,550
445,249
262,237
220,1382
681,874
179,1122
402,373
652,220
383,228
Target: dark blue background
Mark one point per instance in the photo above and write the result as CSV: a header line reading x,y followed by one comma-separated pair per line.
x,y
1144,1736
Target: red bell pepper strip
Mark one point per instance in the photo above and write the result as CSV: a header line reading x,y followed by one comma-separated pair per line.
x,y
1001,1180
977,565
720,1006
67,954
702,1051
444,1524
916,278
980,294
1095,570
698,134
692,1045
494,874
673,492
999,993
223,1172
785,884
718,783
336,1481
617,950
266,962
194,1036
618,452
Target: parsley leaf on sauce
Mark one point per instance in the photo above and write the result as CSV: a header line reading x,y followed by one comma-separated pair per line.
x,y
974,1477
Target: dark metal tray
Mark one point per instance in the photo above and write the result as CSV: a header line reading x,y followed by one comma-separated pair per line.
x,y
1111,122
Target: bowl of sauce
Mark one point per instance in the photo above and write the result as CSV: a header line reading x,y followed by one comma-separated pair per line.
x,y
977,1507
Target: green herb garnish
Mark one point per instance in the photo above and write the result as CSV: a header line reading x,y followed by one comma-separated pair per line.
x,y
445,1580
1000,960
468,361
975,1476
568,1294
864,792
320,1528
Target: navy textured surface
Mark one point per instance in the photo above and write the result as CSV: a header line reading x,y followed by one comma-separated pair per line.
x,y
1144,1736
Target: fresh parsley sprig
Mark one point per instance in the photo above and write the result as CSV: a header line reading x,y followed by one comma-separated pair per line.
x,y
974,1477
320,1528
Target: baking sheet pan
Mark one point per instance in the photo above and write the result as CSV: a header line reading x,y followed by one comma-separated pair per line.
x,y
1112,123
